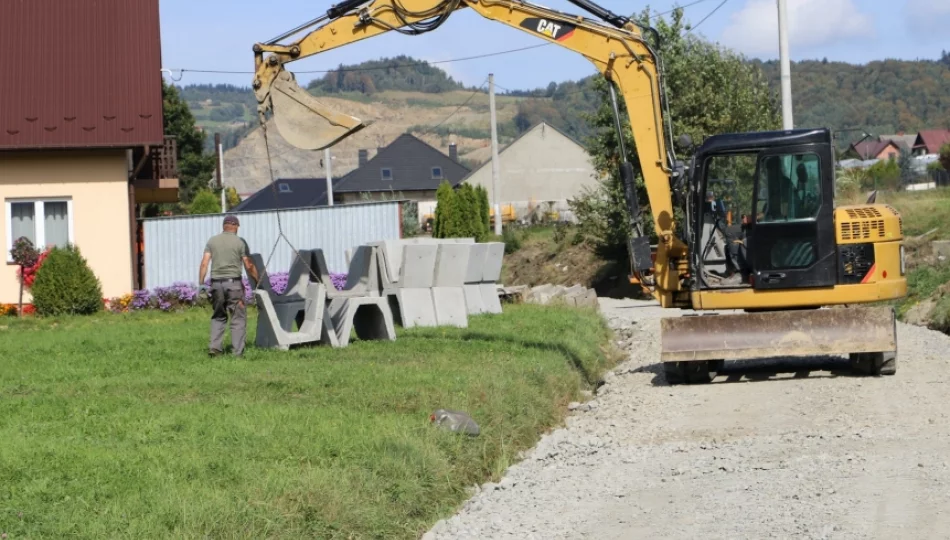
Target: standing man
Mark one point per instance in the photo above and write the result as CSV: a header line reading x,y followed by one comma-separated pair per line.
x,y
227,252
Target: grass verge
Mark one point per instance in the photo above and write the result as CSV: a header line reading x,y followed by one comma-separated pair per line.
x,y
121,425
923,211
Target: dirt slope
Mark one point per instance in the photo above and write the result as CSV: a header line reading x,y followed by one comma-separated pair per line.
x,y
391,114
810,452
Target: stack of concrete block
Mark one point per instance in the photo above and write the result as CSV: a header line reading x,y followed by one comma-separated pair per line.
x,y
575,296
439,282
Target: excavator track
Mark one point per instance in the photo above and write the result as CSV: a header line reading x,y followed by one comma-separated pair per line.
x,y
694,348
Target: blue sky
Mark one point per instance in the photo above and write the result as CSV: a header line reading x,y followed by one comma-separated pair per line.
x,y
218,35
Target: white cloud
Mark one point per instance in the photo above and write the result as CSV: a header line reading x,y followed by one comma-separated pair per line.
x,y
811,23
927,20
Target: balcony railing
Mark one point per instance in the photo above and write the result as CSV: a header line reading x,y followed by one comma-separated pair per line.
x,y
165,159
157,180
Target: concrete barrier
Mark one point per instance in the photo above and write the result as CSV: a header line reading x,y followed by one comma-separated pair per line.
x,y
370,316
448,294
288,306
413,289
473,278
491,274
314,326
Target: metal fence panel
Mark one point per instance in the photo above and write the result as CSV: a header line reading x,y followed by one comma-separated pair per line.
x,y
174,245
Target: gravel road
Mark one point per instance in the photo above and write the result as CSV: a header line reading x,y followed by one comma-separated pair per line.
x,y
778,449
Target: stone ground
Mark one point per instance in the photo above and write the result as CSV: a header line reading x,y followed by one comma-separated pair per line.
x,y
770,449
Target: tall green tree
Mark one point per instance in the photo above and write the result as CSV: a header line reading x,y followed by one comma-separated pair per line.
x,y
710,90
196,166
445,209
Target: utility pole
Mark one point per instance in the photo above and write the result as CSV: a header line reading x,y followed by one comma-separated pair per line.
x,y
495,166
787,122
326,159
220,171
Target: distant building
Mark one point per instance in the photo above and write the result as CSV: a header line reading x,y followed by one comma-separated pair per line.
x,y
81,132
287,193
931,141
408,168
541,168
870,149
903,141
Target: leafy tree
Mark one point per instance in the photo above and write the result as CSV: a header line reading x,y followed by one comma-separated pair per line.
x,y
196,167
66,285
445,210
726,95
945,157
884,175
484,212
205,202
231,197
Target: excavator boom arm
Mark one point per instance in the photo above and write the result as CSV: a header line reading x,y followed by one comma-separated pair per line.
x,y
620,54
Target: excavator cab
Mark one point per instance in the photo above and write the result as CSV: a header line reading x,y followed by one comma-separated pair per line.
x,y
782,186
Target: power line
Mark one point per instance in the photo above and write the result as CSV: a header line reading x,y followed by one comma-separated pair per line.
x,y
467,101
694,27
377,68
667,12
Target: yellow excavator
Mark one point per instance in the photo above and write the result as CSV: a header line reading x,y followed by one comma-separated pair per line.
x,y
797,277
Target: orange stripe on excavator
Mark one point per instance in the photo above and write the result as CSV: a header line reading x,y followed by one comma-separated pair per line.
x,y
869,274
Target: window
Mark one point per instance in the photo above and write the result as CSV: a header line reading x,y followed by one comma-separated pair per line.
x,y
284,188
437,173
45,222
387,174
789,188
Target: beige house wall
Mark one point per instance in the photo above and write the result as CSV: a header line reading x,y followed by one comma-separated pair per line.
x,y
543,165
95,186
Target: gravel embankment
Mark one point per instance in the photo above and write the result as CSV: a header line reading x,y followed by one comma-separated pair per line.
x,y
752,455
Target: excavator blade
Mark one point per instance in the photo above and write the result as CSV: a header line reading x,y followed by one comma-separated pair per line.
x,y
817,332
304,121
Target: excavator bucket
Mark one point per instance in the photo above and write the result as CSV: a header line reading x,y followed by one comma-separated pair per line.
x,y
304,121
744,336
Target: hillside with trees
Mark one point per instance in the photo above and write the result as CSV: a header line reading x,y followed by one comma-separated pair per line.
x,y
402,73
881,97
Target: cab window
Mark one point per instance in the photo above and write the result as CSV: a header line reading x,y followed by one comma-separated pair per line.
x,y
789,188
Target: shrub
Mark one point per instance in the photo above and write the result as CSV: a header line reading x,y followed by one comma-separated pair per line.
x,y
512,240
65,285
205,202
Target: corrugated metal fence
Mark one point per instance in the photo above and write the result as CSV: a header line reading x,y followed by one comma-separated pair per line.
x,y
174,245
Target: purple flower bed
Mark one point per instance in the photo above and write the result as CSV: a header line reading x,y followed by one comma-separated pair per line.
x,y
183,295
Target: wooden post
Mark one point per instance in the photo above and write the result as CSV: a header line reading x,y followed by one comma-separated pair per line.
x,y
19,312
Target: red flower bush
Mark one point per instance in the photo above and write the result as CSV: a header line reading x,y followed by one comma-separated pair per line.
x,y
27,274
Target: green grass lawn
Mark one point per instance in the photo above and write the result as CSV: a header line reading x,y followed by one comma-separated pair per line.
x,y
923,211
121,426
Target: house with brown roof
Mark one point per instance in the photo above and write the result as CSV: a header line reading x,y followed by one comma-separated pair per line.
x,y
870,149
81,131
930,141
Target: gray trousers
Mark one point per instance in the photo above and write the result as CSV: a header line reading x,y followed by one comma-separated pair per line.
x,y
227,298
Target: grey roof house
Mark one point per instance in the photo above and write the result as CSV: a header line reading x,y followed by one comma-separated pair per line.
x,y
408,166
290,193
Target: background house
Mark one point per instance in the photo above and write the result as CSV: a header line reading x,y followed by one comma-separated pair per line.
x,y
543,165
408,168
930,141
871,149
81,135
290,193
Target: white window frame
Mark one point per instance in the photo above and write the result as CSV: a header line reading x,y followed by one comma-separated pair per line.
x,y
383,176
39,220
441,175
